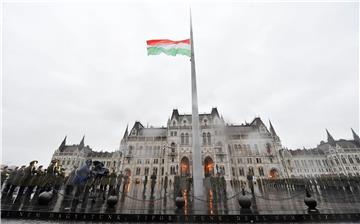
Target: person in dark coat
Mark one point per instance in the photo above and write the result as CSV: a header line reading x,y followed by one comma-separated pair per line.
x,y
112,182
17,179
145,183
153,182
4,175
50,175
29,173
10,180
166,182
34,181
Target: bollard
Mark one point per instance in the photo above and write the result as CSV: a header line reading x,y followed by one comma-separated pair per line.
x,y
179,200
112,201
310,202
45,197
244,200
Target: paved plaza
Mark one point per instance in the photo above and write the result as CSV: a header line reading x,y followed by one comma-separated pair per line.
x,y
136,200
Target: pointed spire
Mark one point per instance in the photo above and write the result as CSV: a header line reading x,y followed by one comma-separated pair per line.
x,y
126,132
272,130
63,143
82,143
330,139
355,136
214,112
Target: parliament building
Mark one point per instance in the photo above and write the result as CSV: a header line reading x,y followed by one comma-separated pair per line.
x,y
231,151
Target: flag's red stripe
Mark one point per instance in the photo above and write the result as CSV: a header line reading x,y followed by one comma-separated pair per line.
x,y
165,41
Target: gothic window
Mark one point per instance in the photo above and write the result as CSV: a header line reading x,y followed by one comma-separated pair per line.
x,y
138,171
175,133
208,138
261,171
251,170
174,123
187,138
258,160
162,171
182,138
357,159
172,170
155,161
350,159
205,122
241,171
204,138
155,169
146,170
343,159
233,171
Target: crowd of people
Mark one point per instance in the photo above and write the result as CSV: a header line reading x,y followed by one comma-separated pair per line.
x,y
91,180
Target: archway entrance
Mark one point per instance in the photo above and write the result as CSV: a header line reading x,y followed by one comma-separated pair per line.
x,y
274,174
208,167
184,167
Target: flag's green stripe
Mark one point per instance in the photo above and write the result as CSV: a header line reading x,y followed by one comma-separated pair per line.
x,y
170,51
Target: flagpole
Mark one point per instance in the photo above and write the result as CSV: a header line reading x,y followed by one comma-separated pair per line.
x,y
196,150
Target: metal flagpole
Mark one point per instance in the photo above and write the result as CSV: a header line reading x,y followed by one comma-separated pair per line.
x,y
196,151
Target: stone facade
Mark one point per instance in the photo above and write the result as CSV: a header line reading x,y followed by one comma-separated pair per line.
x,y
334,157
229,150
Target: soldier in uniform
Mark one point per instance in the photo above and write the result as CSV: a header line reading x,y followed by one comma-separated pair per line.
x,y
50,175
166,182
250,181
10,180
104,183
153,182
33,182
29,173
112,182
69,185
119,180
4,175
145,183
17,179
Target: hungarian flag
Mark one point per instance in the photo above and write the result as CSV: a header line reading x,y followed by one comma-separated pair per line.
x,y
169,47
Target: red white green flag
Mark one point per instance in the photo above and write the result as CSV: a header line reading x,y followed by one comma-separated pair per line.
x,y
169,47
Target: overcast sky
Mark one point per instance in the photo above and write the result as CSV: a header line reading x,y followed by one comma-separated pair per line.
x,y
75,68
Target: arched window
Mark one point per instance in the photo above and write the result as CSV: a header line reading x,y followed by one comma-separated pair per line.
x,y
182,139
174,123
208,138
204,138
187,138
172,146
